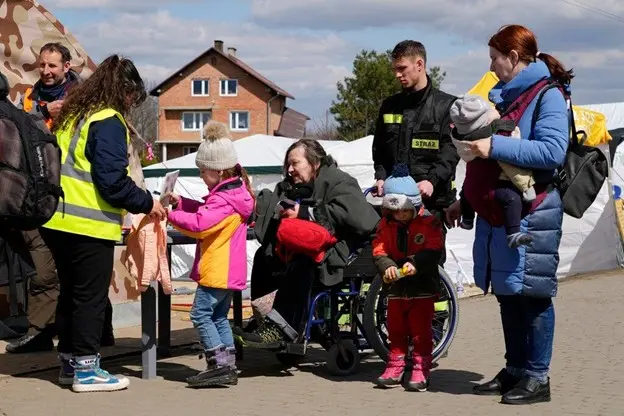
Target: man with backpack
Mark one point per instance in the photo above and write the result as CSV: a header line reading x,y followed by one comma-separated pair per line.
x,y
43,101
413,128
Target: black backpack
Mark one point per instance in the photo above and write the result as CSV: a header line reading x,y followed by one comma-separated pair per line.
x,y
16,268
584,171
30,165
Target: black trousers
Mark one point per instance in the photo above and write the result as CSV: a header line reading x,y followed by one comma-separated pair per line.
x,y
511,201
85,268
293,282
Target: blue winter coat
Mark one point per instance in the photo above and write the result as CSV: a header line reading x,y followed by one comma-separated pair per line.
x,y
529,271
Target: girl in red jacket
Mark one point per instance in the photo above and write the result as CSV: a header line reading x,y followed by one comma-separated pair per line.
x,y
406,251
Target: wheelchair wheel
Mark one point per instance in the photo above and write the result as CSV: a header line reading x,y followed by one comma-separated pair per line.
x,y
445,321
289,360
339,364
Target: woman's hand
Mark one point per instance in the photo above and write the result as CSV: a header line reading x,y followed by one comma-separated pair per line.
x,y
390,275
481,148
158,211
453,215
291,212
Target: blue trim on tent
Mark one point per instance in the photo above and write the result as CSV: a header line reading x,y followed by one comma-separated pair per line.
x,y
194,172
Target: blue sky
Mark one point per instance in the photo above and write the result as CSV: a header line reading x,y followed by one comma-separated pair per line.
x,y
306,46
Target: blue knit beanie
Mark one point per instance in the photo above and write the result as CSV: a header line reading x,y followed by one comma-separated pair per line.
x,y
401,191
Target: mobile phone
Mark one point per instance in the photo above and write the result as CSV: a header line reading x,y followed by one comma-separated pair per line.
x,y
287,203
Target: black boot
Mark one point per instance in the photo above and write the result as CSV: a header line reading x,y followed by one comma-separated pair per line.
x,y
528,391
499,385
217,373
31,342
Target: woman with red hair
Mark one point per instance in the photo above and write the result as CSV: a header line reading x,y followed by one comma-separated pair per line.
x,y
522,278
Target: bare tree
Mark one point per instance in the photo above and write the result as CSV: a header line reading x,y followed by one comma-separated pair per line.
x,y
144,122
144,118
323,128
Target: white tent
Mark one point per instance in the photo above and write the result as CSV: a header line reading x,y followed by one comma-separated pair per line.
x,y
613,112
589,244
262,156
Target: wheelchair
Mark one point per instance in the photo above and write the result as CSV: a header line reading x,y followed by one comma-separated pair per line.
x,y
349,319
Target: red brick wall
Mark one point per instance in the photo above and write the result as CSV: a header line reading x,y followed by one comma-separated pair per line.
x,y
252,96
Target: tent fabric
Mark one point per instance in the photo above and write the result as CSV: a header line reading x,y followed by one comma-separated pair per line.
x,y
266,159
589,244
587,118
614,113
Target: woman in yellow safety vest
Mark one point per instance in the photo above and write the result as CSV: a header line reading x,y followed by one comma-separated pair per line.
x,y
93,136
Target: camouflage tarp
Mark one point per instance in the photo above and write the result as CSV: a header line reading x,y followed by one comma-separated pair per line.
x,y
25,26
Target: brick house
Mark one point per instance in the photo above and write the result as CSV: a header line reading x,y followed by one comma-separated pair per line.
x,y
217,85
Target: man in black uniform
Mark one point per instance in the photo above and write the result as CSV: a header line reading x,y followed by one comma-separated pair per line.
x,y
414,128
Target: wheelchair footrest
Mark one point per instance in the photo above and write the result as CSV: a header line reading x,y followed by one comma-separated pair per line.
x,y
294,348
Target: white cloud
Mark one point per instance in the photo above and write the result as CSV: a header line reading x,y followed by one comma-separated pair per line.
x,y
584,35
161,43
596,81
281,43
117,4
560,22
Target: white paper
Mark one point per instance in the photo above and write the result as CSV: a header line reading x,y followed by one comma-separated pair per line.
x,y
168,186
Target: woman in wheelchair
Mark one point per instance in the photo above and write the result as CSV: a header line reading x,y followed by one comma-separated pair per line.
x,y
406,251
307,228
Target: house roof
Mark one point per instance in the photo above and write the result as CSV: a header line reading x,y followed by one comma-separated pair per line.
x,y
292,124
235,61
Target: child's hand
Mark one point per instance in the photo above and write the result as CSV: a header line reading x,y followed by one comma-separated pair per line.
x,y
409,269
173,198
390,275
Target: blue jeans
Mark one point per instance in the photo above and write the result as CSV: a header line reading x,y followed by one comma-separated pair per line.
x,y
529,328
209,316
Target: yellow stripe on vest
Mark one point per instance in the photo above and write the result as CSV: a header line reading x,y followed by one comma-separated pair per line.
x,y
425,144
393,118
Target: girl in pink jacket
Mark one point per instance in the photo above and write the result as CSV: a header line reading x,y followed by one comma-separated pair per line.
x,y
220,226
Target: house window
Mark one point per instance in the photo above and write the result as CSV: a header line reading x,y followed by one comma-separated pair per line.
x,y
187,150
229,87
200,87
195,121
239,120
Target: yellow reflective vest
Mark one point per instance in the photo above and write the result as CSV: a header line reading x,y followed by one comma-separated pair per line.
x,y
82,210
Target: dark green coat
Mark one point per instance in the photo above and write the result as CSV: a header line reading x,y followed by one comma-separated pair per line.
x,y
337,203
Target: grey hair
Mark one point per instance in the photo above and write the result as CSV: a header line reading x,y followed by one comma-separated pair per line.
x,y
313,151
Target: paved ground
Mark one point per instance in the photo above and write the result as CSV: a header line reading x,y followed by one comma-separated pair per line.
x,y
587,374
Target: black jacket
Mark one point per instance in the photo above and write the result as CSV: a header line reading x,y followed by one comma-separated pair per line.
x,y
414,128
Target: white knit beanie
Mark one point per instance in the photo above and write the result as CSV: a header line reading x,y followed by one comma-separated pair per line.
x,y
217,151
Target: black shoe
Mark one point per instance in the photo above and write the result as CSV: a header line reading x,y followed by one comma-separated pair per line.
x,y
267,336
37,342
501,384
528,391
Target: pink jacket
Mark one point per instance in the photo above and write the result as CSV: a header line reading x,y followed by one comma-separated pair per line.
x,y
220,225
146,253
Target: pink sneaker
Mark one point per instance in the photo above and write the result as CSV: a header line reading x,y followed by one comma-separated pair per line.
x,y
419,380
393,375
